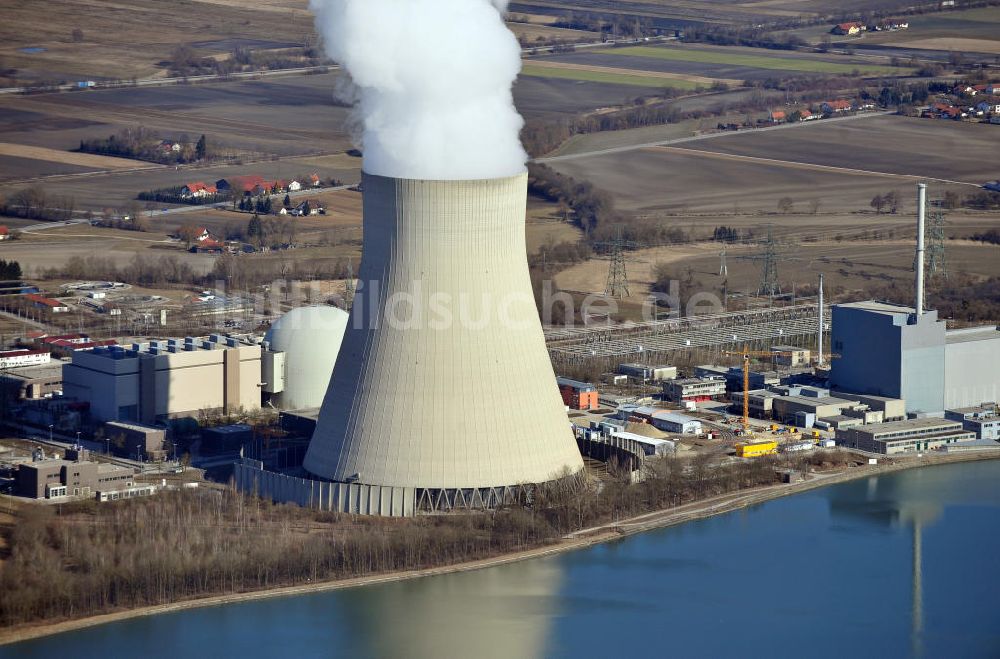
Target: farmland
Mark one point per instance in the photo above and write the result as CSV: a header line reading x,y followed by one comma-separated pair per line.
x,y
737,180
609,76
745,57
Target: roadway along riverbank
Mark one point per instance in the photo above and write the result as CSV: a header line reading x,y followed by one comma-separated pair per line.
x,y
576,540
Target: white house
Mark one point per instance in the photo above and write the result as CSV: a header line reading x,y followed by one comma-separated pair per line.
x,y
294,186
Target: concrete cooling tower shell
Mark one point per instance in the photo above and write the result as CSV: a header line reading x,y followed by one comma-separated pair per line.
x,y
443,380
310,338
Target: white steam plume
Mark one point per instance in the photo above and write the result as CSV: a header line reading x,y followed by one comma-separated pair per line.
x,y
433,84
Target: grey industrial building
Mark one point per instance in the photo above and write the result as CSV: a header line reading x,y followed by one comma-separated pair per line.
x,y
980,419
911,436
694,389
972,367
890,350
644,373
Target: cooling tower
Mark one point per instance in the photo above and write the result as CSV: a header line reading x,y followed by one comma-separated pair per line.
x,y
443,389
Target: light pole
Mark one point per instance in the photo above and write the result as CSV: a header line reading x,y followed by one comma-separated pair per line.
x,y
78,439
50,433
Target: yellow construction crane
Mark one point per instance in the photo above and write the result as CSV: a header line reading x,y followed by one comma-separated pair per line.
x,y
746,355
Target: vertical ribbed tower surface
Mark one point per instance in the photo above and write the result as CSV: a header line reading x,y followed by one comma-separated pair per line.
x,y
443,379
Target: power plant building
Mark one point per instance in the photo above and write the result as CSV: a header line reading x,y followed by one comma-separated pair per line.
x,y
150,382
443,394
972,367
889,350
301,349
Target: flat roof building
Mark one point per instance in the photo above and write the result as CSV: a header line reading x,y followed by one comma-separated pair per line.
x,y
694,389
910,436
51,479
972,366
160,380
645,373
980,419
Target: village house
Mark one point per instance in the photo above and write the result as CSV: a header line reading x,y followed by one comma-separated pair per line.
x,y
854,27
832,107
4,232
777,117
314,180
252,184
197,189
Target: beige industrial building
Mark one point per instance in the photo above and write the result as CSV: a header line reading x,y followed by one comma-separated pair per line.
x,y
790,356
911,436
52,479
443,394
159,380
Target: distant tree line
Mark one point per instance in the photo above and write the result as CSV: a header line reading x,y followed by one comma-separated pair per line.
x,y
143,144
761,37
35,203
184,61
991,236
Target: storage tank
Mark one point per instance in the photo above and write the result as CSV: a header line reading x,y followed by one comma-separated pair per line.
x,y
443,388
310,339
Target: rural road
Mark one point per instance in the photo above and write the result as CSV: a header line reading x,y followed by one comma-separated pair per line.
x,y
707,136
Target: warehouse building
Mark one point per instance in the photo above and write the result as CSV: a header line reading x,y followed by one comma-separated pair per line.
x,y
643,373
694,389
664,420
911,436
136,441
150,382
578,395
981,419
33,382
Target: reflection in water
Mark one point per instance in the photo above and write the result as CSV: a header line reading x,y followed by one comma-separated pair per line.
x,y
911,501
500,612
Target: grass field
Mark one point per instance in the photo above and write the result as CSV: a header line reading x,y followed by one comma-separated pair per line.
x,y
636,79
739,58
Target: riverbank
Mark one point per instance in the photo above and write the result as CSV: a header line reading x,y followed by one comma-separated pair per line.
x,y
577,540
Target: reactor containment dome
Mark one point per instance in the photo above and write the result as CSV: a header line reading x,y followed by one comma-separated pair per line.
x,y
310,339
443,394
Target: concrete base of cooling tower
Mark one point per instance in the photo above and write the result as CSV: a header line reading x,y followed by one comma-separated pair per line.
x,y
361,499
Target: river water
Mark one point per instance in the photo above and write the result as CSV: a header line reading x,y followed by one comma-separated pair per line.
x,y
901,565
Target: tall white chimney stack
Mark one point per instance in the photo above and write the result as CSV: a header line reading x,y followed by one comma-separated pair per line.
x,y
919,263
819,328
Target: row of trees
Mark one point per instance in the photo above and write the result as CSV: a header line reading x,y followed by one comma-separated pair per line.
x,y
35,203
144,144
9,270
